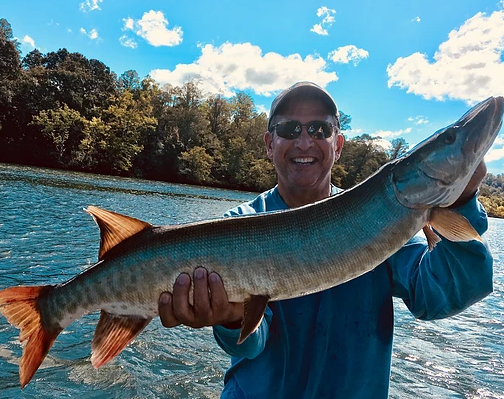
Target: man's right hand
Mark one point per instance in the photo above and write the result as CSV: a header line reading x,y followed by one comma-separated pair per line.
x,y
210,306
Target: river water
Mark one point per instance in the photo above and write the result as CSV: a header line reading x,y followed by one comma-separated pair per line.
x,y
46,238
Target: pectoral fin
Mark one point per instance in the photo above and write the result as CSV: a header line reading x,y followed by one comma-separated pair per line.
x,y
253,308
452,225
113,334
432,238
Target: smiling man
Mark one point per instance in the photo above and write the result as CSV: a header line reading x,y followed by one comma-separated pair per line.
x,y
303,162
336,343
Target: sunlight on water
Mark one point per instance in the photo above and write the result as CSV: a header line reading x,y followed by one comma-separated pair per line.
x,y
45,237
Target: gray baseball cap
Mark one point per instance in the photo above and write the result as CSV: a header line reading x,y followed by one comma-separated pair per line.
x,y
303,89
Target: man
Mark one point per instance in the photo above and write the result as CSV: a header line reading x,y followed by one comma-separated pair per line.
x,y
336,343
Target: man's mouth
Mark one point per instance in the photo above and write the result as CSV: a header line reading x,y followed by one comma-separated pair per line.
x,y
303,160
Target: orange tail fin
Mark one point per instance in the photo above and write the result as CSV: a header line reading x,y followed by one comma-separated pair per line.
x,y
19,306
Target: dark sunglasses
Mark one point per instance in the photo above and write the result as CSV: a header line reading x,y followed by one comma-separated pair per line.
x,y
291,130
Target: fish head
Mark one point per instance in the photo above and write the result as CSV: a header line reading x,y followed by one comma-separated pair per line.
x,y
436,171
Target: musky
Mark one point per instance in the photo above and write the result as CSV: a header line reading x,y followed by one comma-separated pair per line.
x,y
398,68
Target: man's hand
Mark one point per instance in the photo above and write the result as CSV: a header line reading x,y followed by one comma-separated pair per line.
x,y
211,306
472,186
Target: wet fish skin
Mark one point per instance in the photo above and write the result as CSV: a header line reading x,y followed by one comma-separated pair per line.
x,y
264,257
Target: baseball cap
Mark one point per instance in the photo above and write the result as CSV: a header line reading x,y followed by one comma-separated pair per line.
x,y
300,89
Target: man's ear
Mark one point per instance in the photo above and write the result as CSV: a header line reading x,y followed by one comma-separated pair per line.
x,y
340,140
268,140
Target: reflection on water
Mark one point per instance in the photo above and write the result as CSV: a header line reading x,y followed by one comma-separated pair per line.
x,y
45,237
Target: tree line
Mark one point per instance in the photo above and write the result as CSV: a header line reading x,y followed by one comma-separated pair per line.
x,y
65,111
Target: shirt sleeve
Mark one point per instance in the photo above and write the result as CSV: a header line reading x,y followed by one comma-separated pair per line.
x,y
252,346
449,279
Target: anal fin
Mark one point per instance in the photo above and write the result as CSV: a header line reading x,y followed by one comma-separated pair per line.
x,y
253,309
113,333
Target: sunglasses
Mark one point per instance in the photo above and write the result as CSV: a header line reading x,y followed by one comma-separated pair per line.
x,y
291,130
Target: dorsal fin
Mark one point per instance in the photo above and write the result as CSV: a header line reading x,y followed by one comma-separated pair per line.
x,y
114,227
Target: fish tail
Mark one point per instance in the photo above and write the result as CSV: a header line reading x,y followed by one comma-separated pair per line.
x,y
19,306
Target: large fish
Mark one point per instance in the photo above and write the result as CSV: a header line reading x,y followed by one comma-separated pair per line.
x,y
260,258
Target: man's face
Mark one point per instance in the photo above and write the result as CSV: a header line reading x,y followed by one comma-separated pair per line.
x,y
304,162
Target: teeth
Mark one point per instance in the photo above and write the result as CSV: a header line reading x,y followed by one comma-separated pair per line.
x,y
303,160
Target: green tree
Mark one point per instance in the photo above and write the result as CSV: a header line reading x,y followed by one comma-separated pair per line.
x,y
128,120
360,158
10,74
398,148
345,121
64,128
196,165
113,140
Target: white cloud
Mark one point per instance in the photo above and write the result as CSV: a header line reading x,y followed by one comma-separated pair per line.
x,y
243,67
129,23
90,5
418,120
328,15
383,143
467,66
327,21
348,53
262,108
128,42
416,19
93,34
497,150
29,41
317,28
391,134
352,132
153,27
499,140
494,154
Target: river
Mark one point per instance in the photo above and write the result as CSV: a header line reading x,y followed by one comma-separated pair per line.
x,y
46,238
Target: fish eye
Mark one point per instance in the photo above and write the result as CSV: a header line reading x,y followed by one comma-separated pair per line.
x,y
449,137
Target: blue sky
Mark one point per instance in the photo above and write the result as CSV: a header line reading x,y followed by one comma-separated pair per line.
x,y
399,68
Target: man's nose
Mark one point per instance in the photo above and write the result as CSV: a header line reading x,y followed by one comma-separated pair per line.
x,y
304,141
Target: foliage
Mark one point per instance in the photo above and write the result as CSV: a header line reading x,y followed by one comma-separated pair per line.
x,y
492,195
196,164
63,110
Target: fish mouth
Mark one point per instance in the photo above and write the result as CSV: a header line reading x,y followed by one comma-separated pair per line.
x,y
482,124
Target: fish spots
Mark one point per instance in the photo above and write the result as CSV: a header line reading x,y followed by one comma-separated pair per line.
x,y
131,309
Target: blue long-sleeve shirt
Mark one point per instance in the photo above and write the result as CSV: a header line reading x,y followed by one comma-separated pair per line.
x,y
338,343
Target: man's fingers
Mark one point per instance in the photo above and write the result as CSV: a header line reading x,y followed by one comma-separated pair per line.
x,y
224,312
211,304
182,310
165,309
219,296
202,310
